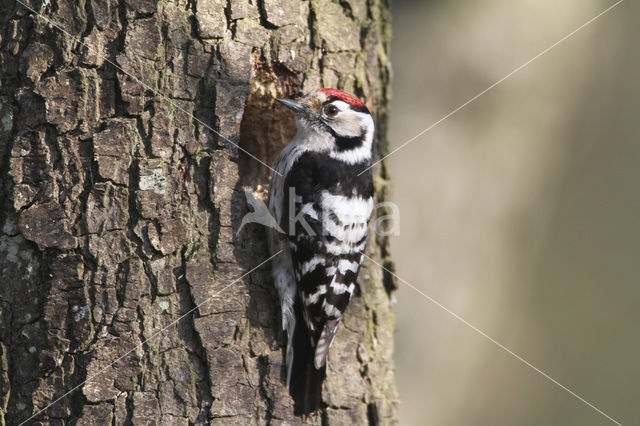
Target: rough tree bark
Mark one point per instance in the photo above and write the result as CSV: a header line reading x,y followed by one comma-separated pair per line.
x,y
120,208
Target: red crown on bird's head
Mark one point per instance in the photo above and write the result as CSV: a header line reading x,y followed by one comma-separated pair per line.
x,y
343,96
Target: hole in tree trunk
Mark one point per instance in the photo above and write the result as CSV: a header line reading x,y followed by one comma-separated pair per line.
x,y
266,126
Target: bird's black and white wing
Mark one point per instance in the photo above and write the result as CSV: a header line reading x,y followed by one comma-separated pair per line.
x,y
330,236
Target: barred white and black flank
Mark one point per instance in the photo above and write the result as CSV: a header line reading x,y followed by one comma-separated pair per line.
x,y
323,202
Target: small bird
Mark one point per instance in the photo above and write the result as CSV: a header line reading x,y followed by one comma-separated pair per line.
x,y
321,195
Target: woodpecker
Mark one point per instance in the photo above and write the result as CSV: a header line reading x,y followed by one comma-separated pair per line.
x,y
321,195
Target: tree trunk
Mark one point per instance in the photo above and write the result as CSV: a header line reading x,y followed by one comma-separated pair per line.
x,y
122,196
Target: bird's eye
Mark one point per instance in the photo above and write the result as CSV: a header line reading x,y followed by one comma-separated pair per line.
x,y
331,110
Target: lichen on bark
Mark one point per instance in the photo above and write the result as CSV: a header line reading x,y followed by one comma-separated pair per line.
x,y
122,193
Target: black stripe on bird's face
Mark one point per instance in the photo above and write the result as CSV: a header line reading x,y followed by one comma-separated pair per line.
x,y
344,143
347,143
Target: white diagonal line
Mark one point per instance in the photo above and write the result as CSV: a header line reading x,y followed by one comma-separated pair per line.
x,y
146,86
140,345
494,341
494,84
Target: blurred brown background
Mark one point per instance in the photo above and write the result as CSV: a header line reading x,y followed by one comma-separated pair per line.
x,y
520,212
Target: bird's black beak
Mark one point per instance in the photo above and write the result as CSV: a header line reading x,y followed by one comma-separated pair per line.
x,y
291,104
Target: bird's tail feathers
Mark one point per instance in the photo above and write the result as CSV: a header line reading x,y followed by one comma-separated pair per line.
x,y
324,343
305,384
290,329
